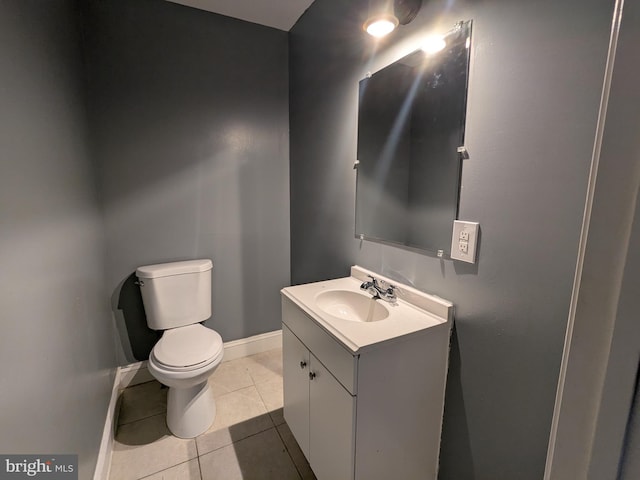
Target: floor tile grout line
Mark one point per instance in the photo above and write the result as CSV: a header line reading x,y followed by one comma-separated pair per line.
x,y
165,469
239,440
199,463
295,465
195,440
140,419
218,395
264,404
275,377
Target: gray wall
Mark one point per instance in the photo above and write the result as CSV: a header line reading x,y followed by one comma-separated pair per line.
x,y
536,78
189,112
55,335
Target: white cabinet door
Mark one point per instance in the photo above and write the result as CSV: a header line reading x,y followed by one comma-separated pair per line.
x,y
295,366
331,425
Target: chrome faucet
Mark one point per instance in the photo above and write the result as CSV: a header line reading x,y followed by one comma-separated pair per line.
x,y
373,288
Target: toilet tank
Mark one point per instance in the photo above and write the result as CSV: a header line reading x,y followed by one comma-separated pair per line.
x,y
176,294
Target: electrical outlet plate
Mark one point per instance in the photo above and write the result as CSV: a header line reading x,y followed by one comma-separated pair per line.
x,y
464,240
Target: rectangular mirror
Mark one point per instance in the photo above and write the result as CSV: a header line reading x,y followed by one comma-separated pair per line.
x,y
410,124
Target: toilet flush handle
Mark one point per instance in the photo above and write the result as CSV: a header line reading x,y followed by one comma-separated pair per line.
x,y
140,283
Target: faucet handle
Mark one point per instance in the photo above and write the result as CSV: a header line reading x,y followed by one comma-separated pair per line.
x,y
374,280
392,294
391,290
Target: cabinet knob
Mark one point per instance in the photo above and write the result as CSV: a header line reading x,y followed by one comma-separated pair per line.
x,y
303,364
312,375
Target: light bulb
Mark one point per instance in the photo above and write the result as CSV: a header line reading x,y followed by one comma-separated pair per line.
x,y
433,45
380,26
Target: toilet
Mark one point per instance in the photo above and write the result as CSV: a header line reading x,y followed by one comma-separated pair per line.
x,y
177,297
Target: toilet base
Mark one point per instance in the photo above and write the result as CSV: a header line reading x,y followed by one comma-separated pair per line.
x,y
190,411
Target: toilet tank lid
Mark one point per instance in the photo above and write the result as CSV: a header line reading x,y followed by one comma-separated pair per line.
x,y
174,268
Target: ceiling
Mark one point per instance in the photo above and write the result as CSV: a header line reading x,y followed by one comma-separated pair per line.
x,y
280,14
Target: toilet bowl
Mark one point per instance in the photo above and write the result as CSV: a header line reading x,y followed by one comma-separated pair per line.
x,y
183,360
177,297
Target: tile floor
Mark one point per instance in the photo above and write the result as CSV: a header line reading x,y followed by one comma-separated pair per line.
x,y
248,440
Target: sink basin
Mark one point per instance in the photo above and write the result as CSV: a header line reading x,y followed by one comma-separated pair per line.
x,y
354,319
352,306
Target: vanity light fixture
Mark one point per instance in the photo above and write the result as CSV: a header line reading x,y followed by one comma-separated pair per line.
x,y
386,15
381,25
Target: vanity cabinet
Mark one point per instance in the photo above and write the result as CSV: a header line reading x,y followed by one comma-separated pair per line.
x,y
320,411
364,415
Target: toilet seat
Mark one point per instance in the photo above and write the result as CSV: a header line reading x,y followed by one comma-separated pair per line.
x,y
190,368
187,348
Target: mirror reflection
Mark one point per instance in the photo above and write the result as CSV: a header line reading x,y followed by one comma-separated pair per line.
x,y
410,124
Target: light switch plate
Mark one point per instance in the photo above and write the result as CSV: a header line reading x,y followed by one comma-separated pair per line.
x,y
464,240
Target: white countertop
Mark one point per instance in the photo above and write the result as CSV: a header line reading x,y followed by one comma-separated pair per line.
x,y
414,311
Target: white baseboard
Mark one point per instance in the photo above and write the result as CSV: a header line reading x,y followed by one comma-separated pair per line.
x,y
252,345
137,373
134,374
103,464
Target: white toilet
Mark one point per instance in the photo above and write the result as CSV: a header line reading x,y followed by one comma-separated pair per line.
x,y
177,297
